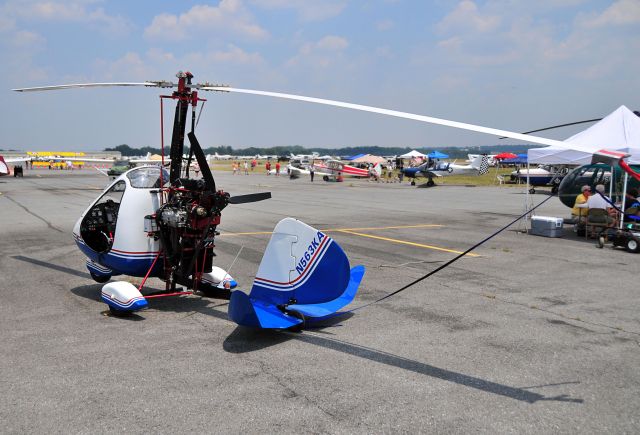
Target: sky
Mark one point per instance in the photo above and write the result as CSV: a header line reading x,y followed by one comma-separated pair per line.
x,y
507,64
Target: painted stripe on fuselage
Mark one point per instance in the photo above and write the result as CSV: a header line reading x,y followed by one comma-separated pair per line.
x,y
303,277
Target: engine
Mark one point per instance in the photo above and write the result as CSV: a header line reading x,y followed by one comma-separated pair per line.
x,y
186,225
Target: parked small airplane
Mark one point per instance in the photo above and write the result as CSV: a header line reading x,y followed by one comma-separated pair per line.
x,y
478,166
4,164
543,175
217,156
335,170
491,158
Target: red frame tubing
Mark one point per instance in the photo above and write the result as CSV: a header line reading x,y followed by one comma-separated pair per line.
x,y
164,295
149,271
626,168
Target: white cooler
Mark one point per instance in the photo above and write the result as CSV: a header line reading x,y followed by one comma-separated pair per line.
x,y
546,226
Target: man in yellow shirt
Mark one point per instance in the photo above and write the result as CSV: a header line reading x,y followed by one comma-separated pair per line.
x,y
580,213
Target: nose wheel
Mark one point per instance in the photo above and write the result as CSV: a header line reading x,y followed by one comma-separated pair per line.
x,y
100,278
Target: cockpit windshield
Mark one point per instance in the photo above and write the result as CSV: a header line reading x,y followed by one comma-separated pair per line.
x,y
147,177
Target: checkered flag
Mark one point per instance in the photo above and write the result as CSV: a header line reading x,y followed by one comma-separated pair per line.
x,y
484,165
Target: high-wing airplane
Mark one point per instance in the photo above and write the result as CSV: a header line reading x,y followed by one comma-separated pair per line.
x,y
335,170
4,163
479,166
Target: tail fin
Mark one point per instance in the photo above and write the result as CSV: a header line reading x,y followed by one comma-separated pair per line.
x,y
303,273
4,169
378,170
481,164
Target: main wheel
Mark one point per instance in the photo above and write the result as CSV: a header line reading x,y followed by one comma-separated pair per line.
x,y
554,189
100,278
633,245
532,191
431,183
600,243
413,182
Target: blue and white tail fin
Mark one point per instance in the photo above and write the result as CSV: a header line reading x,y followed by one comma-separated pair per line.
x,y
304,274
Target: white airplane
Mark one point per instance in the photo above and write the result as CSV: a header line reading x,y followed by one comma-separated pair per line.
x,y
543,175
217,156
4,163
491,158
478,166
312,156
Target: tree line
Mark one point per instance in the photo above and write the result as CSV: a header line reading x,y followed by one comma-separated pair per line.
x,y
453,152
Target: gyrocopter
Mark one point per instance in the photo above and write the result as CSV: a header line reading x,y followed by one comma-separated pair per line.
x,y
150,222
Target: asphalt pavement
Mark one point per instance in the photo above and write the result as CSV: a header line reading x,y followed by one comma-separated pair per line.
x,y
527,335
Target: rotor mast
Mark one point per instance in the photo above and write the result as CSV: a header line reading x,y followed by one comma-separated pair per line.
x,y
185,96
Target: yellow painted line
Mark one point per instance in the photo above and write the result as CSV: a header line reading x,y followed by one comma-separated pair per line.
x,y
255,233
384,228
404,242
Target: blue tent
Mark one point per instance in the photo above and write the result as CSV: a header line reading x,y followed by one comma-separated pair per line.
x,y
437,155
520,160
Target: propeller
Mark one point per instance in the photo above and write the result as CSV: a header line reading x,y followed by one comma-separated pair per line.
x,y
406,115
251,197
159,84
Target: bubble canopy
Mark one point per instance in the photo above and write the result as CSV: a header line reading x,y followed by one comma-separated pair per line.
x,y
147,177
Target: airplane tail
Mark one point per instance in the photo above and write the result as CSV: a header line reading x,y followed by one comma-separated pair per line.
x,y
4,169
304,276
378,170
481,164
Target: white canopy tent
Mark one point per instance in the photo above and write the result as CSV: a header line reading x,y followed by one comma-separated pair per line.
x,y
413,154
619,131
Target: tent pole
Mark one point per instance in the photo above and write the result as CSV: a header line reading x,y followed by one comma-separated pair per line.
x,y
526,197
624,198
611,183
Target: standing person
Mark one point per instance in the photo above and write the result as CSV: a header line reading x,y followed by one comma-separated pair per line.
x,y
254,163
267,166
277,169
246,168
311,172
234,167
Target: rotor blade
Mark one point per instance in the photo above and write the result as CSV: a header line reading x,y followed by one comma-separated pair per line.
x,y
252,197
558,126
159,84
422,118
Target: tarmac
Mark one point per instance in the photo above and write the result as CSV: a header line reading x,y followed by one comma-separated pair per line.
x,y
528,335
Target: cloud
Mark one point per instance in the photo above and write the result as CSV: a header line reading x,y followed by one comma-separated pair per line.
x,y
466,17
307,10
229,16
320,54
24,39
77,11
156,62
620,13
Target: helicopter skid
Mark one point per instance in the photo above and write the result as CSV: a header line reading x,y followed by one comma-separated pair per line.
x,y
98,270
219,278
123,296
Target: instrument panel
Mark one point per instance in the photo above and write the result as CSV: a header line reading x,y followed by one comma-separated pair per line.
x,y
99,226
